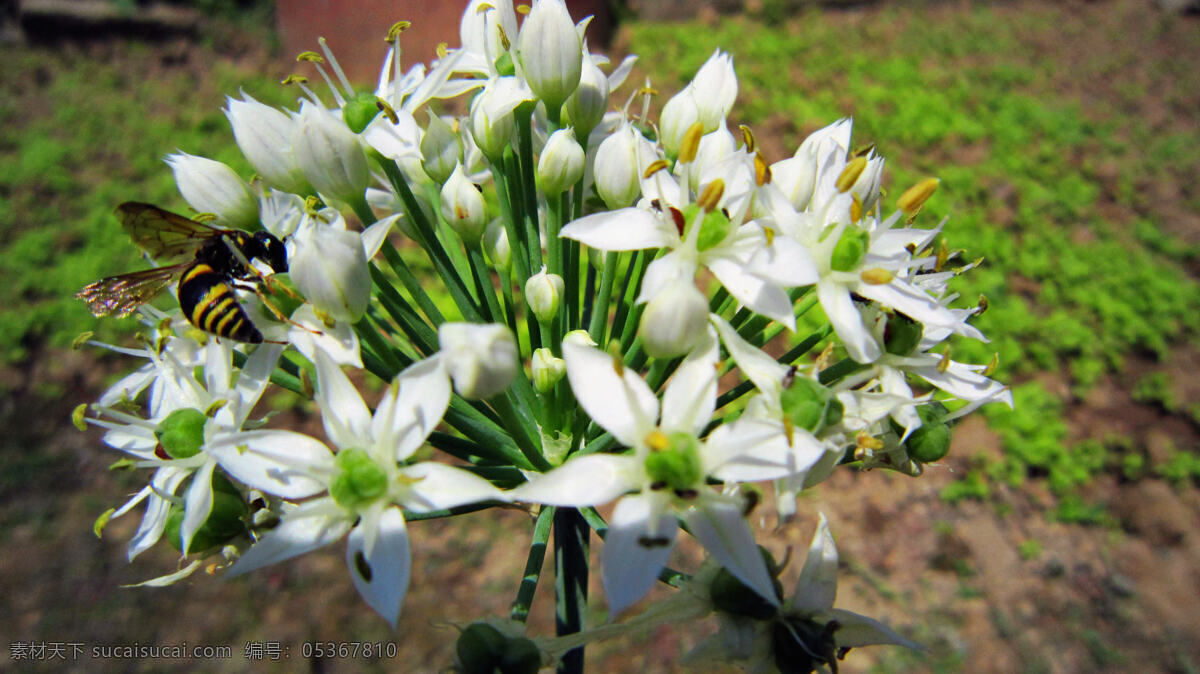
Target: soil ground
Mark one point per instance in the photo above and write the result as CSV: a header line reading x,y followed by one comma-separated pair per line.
x,y
1117,598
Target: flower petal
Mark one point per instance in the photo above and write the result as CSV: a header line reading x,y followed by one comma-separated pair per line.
x,y
917,305
766,372
440,486
816,589
620,230
847,322
614,397
691,394
753,291
197,503
282,463
723,531
381,574
345,415
639,541
412,407
752,450
858,630
587,480
310,526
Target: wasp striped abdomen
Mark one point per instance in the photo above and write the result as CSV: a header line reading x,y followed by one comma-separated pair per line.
x,y
210,304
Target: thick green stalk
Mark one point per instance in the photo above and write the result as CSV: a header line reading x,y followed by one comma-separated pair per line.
x,y
419,333
571,535
533,564
412,284
599,317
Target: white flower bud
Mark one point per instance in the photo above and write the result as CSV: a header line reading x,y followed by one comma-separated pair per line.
x,y
492,123
866,188
212,187
561,163
579,338
495,244
586,107
441,149
548,369
330,154
551,54
617,171
715,88
674,320
463,207
329,267
543,293
264,135
678,115
482,360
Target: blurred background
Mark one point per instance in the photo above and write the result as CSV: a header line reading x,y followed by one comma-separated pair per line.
x,y
1063,536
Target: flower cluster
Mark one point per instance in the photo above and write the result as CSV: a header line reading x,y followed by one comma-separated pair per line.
x,y
598,274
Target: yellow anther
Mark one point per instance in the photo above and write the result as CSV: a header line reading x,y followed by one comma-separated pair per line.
x,y
311,205
657,441
992,365
618,365
204,217
769,233
762,170
863,150
102,521
294,79
505,43
867,441
215,407
823,358
943,254
484,7
81,340
647,90
748,136
396,29
655,167
850,174
310,57
983,304
856,208
915,197
710,196
944,363
306,385
877,276
690,144
442,50
523,9
78,415
387,110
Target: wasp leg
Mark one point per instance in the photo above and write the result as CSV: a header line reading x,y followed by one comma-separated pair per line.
x,y
262,278
254,287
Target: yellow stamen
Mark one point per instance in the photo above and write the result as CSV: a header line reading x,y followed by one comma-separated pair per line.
x,y
387,110
770,235
983,304
396,29
748,136
915,197
867,441
992,365
655,167
850,174
294,79
523,10
877,276
944,363
762,170
442,50
691,143
657,441
856,208
81,340
710,196
310,57
77,416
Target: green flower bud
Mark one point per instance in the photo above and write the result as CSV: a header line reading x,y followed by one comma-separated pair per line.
x,y
930,442
226,521
561,164
360,110
850,249
809,405
548,369
543,294
359,479
495,244
181,434
441,149
902,334
674,460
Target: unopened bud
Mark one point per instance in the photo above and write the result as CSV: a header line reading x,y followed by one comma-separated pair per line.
x,y
543,294
548,369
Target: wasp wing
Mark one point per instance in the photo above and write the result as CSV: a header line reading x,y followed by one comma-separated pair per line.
x,y
120,295
165,236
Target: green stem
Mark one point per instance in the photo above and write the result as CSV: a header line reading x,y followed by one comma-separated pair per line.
x,y
599,318
483,282
571,535
533,564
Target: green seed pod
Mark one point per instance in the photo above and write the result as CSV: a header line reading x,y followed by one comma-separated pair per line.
x,y
479,649
225,522
902,334
930,442
520,656
360,110
359,479
677,465
850,249
809,405
181,434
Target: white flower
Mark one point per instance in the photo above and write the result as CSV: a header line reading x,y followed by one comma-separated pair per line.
x,y
665,475
441,149
366,481
715,88
543,294
674,321
586,107
551,53
212,187
620,160
561,164
329,267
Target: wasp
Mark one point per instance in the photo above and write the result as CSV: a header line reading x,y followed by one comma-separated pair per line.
x,y
209,262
